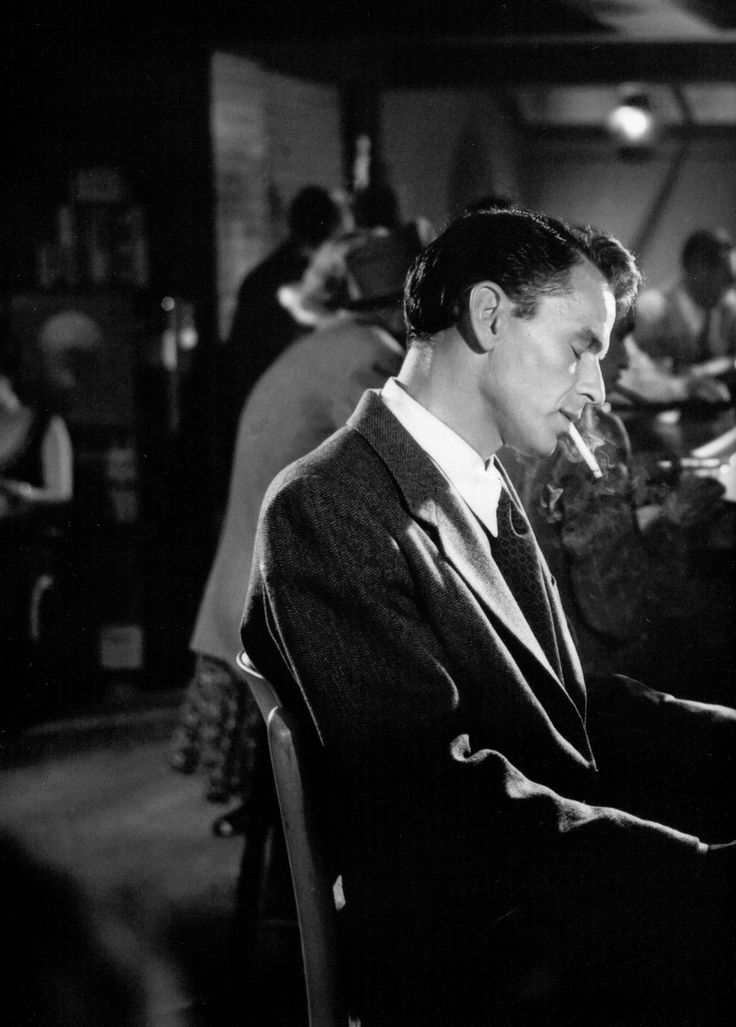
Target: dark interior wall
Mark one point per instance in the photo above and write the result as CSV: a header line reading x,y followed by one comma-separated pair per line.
x,y
70,104
75,101
145,115
448,147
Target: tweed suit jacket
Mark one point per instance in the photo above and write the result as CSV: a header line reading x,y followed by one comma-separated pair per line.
x,y
459,761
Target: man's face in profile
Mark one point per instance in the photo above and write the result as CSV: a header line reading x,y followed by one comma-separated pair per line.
x,y
546,368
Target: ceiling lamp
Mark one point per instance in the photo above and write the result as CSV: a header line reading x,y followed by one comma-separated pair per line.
x,y
633,125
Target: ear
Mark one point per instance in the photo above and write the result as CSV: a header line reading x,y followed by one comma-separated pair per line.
x,y
487,303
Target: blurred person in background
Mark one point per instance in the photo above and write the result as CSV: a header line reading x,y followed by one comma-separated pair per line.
x,y
307,393
35,455
684,334
376,205
36,490
317,299
262,327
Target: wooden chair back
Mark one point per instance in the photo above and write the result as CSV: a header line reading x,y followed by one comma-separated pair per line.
x,y
295,757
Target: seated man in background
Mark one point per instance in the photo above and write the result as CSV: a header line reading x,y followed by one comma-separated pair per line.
x,y
684,335
398,593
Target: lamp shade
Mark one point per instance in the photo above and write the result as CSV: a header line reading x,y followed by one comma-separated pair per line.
x,y
633,125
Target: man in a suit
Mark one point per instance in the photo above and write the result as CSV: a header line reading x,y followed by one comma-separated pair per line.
x,y
399,594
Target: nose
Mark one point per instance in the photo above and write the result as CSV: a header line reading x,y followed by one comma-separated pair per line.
x,y
590,379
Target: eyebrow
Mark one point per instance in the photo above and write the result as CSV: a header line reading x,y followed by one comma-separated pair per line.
x,y
594,342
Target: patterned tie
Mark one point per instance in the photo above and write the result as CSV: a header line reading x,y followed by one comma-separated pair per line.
x,y
516,556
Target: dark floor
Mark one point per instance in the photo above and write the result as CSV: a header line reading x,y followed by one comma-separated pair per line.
x,y
91,792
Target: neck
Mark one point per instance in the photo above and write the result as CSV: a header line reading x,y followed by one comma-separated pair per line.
x,y
444,377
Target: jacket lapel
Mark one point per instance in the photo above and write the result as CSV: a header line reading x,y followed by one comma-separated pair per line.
x,y
435,504
465,545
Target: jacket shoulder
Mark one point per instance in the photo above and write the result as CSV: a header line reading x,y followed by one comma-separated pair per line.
x,y
344,469
326,464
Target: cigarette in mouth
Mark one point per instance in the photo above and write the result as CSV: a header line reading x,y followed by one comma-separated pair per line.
x,y
583,450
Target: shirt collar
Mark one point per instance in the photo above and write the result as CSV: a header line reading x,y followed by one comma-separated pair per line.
x,y
478,482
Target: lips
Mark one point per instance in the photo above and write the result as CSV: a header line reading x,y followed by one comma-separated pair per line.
x,y
572,417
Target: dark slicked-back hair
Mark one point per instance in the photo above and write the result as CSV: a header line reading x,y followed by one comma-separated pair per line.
x,y
528,254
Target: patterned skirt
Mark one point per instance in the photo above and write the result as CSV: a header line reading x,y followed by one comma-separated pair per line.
x,y
217,732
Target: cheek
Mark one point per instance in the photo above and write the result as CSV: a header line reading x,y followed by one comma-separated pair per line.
x,y
549,374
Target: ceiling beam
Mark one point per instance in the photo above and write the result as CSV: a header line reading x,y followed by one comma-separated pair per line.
x,y
481,62
563,61
663,20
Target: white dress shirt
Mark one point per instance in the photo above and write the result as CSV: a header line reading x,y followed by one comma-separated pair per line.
x,y
478,481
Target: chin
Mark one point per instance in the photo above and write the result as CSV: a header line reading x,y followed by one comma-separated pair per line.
x,y
536,450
